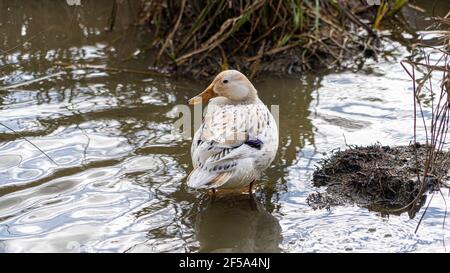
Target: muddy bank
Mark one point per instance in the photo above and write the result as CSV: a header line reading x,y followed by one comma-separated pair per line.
x,y
381,178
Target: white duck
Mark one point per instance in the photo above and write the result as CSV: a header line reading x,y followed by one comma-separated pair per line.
x,y
238,139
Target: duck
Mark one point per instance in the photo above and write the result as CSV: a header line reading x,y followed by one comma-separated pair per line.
x,y
238,138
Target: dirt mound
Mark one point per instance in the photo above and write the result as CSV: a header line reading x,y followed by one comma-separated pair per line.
x,y
380,178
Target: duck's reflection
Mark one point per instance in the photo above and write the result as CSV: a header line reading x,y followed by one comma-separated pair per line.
x,y
236,224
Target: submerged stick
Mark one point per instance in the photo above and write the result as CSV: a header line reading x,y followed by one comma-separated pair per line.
x,y
31,81
26,139
111,69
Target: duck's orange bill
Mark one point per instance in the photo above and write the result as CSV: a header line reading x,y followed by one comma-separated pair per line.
x,y
204,96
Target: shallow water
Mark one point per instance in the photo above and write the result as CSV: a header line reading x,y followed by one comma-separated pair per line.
x,y
119,185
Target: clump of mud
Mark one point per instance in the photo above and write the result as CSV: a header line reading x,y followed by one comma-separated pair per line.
x,y
378,177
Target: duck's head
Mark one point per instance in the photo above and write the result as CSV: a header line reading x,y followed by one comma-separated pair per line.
x,y
230,84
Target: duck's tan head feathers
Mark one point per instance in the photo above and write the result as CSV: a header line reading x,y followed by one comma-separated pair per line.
x,y
230,84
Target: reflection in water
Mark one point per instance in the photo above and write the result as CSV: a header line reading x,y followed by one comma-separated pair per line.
x,y
236,224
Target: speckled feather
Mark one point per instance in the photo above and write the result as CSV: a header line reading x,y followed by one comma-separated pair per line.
x,y
220,155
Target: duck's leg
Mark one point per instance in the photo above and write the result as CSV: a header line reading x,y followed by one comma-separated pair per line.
x,y
250,187
213,194
252,202
251,196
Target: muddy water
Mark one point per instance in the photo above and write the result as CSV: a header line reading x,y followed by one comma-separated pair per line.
x,y
119,181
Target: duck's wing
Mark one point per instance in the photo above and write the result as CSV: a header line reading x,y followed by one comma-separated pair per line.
x,y
220,166
224,145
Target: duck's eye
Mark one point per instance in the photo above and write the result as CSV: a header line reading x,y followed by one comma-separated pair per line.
x,y
225,81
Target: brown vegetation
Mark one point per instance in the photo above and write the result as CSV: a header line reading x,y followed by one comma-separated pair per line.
x,y
204,37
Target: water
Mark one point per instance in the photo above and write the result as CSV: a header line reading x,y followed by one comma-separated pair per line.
x,y
119,185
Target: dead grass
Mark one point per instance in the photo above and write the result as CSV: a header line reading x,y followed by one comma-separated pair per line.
x,y
204,37
430,78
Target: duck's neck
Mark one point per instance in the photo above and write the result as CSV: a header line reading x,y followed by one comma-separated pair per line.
x,y
251,99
